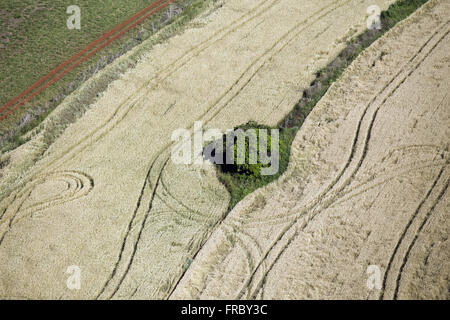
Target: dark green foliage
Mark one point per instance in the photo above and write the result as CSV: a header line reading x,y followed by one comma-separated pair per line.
x,y
242,154
399,11
242,179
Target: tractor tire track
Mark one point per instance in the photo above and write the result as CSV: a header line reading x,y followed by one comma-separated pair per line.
x,y
405,232
79,185
416,236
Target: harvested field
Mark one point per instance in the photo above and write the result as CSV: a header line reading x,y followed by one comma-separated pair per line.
x,y
106,197
368,187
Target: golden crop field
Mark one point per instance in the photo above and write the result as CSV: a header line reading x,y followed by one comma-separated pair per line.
x,y
365,186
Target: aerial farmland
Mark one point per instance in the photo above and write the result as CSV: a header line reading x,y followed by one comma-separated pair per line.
x,y
123,174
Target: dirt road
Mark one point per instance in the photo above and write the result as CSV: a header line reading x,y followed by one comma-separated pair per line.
x,y
363,210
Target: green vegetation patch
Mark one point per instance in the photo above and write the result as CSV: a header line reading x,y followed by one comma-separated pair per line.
x,y
247,145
